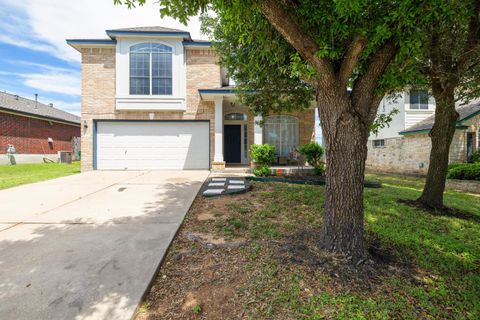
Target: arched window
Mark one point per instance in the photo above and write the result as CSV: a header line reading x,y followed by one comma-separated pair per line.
x,y
236,116
281,132
150,69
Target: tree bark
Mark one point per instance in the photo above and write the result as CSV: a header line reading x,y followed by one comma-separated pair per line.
x,y
441,136
345,136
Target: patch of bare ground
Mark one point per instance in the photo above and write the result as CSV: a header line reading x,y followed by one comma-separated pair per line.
x,y
220,267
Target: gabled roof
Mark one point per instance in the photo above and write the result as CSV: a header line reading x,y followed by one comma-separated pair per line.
x,y
17,104
158,31
465,112
148,29
154,31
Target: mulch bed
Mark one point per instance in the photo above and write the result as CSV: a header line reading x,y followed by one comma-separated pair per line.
x,y
306,179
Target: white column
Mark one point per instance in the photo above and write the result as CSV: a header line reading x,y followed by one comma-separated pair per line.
x,y
257,131
218,152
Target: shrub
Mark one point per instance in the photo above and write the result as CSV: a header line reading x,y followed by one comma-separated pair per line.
x,y
464,171
262,171
475,158
262,154
313,153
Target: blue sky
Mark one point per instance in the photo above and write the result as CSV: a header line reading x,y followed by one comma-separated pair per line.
x,y
34,57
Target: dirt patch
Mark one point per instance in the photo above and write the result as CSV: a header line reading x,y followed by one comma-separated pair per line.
x,y
445,211
301,248
205,216
252,256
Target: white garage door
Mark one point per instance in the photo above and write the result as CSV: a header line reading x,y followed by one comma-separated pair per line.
x,y
152,145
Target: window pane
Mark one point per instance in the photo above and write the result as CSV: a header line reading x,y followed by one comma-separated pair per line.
x,y
423,100
139,86
162,65
162,86
139,73
158,48
418,100
281,132
139,65
161,73
414,99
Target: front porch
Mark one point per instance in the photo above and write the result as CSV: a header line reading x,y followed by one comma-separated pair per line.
x,y
236,129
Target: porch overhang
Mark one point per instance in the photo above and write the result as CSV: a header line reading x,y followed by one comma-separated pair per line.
x,y
210,94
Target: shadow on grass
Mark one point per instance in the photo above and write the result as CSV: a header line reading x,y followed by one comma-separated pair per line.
x,y
446,212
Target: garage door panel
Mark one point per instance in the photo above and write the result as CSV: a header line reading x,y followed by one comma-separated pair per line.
x,y
152,145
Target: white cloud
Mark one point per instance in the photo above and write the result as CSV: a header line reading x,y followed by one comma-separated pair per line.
x,y
72,107
63,83
47,78
45,24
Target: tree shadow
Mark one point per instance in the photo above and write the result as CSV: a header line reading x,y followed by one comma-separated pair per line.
x,y
85,270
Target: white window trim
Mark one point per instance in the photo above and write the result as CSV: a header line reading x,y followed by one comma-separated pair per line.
x,y
126,101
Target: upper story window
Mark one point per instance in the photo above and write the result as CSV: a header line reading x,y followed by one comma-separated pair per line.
x,y
150,69
418,100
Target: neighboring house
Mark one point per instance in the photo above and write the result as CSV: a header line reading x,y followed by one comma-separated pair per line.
x,y
409,152
153,98
34,130
413,107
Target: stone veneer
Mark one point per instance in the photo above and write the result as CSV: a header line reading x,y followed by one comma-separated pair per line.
x,y
202,71
410,153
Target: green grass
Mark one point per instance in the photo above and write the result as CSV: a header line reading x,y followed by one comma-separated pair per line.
x,y
11,176
444,253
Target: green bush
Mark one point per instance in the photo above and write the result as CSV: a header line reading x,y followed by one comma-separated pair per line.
x,y
475,157
262,171
313,153
262,154
464,171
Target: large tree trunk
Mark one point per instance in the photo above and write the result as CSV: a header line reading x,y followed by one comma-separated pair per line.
x,y
345,136
441,135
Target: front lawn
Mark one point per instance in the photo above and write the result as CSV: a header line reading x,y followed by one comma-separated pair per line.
x,y
254,256
11,176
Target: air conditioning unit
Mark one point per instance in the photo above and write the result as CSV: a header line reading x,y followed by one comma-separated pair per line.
x,y
65,157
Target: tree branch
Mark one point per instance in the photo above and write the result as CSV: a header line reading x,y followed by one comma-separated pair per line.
x,y
363,89
283,22
473,42
350,59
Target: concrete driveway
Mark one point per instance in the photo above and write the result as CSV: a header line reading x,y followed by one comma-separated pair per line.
x,y
87,246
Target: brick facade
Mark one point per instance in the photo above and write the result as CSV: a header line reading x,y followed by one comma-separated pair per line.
x,y
410,153
30,135
202,71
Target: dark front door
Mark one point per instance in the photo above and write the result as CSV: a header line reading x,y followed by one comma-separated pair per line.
x,y
233,143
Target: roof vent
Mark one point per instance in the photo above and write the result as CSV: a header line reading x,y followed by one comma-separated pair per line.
x,y
50,105
16,97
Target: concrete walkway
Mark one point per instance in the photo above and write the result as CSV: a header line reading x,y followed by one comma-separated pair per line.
x,y
87,246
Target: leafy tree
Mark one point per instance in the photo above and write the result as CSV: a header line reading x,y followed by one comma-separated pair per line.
x,y
345,54
452,63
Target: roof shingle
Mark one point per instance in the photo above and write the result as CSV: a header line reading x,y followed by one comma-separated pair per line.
x,y
427,124
22,105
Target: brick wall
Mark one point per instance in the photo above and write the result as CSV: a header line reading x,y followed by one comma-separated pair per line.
x,y
202,71
98,93
30,135
410,153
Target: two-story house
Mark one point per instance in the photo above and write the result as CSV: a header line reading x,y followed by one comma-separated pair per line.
x,y
153,98
404,146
